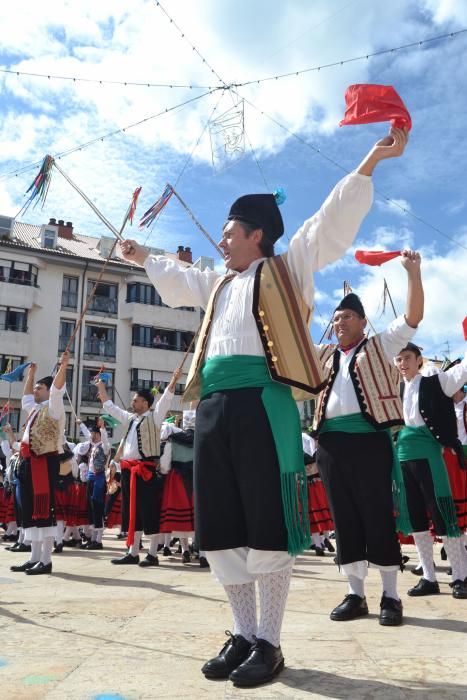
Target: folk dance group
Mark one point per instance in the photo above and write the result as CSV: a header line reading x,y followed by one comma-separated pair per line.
x,y
253,360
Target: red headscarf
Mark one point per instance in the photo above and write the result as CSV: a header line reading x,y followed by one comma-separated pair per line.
x,y
375,103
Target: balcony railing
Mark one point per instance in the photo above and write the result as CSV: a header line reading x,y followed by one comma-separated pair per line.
x,y
18,326
139,343
69,300
95,347
23,277
148,384
102,304
89,394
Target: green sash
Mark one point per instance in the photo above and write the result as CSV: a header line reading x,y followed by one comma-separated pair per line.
x,y
419,443
243,371
357,423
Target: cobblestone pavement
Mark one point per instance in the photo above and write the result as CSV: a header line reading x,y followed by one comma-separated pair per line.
x,y
94,631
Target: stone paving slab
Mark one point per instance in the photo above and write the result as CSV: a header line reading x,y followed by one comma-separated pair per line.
x,y
93,631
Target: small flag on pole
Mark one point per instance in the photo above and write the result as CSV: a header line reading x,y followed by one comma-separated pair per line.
x,y
375,257
16,375
110,420
133,204
39,188
152,213
464,327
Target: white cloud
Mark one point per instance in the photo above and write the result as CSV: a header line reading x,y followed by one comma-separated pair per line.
x,y
398,207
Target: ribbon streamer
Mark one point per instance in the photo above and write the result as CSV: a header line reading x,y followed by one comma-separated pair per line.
x,y
375,257
151,214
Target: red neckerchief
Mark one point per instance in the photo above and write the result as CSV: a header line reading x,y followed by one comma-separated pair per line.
x,y
347,348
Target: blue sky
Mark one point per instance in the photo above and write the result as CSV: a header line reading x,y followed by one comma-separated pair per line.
x,y
241,41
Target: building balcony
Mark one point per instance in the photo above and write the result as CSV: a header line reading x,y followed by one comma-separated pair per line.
x,y
19,295
89,395
104,305
96,349
163,316
23,277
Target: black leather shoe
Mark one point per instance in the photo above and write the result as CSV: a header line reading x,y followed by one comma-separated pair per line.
x,y
424,587
233,653
319,552
351,607
71,543
186,557
203,562
40,568
95,545
19,547
329,546
443,554
149,560
264,662
459,589
127,559
58,549
166,552
417,571
122,536
391,612
24,567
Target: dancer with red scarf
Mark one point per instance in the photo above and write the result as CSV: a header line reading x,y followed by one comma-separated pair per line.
x,y
141,479
39,465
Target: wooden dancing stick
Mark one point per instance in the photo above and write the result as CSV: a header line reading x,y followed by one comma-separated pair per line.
x,y
192,216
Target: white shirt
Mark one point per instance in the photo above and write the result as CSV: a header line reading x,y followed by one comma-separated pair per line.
x,y
169,429
342,398
308,444
130,448
461,431
321,240
451,381
6,449
56,411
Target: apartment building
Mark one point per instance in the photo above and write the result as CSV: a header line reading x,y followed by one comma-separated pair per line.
x,y
46,275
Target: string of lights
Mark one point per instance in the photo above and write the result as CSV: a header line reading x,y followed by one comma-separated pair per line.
x,y
256,81
103,137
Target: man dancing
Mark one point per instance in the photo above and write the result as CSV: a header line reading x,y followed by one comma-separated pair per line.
x,y
39,466
141,481
253,359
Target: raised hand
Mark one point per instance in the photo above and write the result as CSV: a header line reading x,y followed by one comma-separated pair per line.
x,y
133,251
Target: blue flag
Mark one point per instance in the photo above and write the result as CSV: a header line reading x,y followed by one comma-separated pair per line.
x,y
105,377
16,375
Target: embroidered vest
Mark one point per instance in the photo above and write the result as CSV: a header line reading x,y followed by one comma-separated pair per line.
x,y
282,318
97,460
44,433
374,378
148,438
437,410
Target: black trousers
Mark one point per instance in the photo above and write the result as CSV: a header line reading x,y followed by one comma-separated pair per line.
x,y
148,502
356,472
26,492
238,500
421,500
95,507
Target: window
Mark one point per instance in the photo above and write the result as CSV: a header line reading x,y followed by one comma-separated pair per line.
x,y
12,319
16,360
66,330
69,380
88,387
147,379
139,293
17,272
49,238
105,298
70,293
161,338
100,341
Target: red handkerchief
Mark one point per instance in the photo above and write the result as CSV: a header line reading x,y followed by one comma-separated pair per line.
x,y
375,257
464,326
375,103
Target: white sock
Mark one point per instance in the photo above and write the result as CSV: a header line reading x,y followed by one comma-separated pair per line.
x,y
87,529
60,528
356,585
76,535
12,528
389,580
242,599
36,548
316,539
67,533
424,544
273,592
453,545
153,542
97,534
93,534
47,547
167,539
134,549
21,535
184,544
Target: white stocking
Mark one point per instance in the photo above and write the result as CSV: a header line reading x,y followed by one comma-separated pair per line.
x,y
36,548
184,543
356,585
389,580
316,539
453,545
47,547
167,539
60,528
424,544
67,534
97,535
153,542
134,549
273,591
242,599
